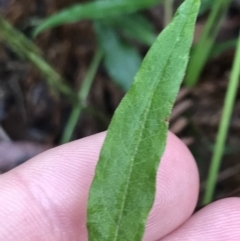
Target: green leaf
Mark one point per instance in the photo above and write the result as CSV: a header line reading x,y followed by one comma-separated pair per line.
x,y
135,26
205,5
121,60
123,189
94,10
202,51
28,51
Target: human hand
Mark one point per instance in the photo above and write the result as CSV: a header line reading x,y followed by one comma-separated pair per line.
x,y
46,198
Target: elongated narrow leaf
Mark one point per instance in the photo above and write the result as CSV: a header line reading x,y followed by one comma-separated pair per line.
x,y
27,50
94,10
123,189
121,60
202,50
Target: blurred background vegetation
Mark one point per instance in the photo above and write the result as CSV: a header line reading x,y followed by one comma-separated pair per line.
x,y
66,64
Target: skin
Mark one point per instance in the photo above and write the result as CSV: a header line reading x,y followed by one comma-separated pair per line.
x,y
45,198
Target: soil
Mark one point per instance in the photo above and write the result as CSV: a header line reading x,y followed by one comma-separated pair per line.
x,y
32,118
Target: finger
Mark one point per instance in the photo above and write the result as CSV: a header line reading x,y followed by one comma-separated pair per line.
x,y
218,221
48,194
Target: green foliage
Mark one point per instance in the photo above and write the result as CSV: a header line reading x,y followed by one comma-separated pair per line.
x,y
27,50
223,128
206,5
121,59
113,20
94,10
202,50
136,27
123,189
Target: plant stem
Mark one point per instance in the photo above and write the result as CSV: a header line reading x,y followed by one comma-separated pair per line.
x,y
27,50
202,50
168,11
223,128
82,96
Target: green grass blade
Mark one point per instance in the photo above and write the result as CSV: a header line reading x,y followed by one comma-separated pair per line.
x,y
123,189
202,50
121,60
223,128
27,50
94,10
